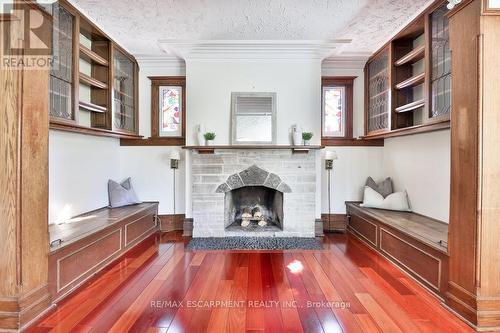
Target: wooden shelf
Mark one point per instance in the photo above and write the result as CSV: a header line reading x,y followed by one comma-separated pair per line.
x,y
410,106
412,57
411,82
354,142
90,56
91,131
430,127
211,149
92,107
90,81
311,147
161,142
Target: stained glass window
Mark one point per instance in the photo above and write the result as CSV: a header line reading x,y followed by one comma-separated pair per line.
x,y
170,111
334,111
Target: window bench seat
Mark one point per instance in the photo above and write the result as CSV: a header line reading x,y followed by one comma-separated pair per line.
x,y
90,242
413,242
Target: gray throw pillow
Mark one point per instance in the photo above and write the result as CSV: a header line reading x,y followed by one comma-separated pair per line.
x,y
121,194
384,187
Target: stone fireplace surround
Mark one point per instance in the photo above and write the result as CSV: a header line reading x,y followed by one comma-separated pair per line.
x,y
215,174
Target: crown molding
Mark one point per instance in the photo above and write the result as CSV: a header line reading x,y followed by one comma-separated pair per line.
x,y
160,61
251,49
354,61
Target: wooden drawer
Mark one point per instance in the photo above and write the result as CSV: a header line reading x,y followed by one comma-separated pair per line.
x,y
365,229
416,260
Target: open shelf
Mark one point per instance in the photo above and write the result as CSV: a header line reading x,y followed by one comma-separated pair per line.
x,y
410,106
92,107
90,56
90,81
412,57
411,82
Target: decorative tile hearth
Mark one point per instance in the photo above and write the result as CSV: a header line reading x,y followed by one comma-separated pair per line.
x,y
291,176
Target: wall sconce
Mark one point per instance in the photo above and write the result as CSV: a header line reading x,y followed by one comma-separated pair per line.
x,y
330,156
175,157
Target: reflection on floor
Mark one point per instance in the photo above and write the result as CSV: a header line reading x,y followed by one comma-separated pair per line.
x,y
160,287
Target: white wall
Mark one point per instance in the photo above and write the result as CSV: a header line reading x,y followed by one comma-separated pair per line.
x,y
152,177
421,164
79,169
348,177
209,87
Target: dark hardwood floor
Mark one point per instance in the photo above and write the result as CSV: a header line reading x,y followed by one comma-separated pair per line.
x,y
161,287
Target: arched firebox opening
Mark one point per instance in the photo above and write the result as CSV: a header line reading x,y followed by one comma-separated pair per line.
x,y
254,208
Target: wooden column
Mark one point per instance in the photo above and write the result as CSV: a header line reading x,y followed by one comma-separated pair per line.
x,y
24,242
474,273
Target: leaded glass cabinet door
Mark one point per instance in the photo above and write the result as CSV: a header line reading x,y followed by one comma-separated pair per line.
x,y
440,64
124,113
61,80
379,93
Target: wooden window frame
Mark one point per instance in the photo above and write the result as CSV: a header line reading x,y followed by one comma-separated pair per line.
x,y
348,83
156,82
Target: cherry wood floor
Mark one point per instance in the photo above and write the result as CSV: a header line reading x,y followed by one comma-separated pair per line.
x,y
161,287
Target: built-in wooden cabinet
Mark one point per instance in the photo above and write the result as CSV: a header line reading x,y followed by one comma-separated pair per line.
x,y
474,275
408,82
378,92
124,98
93,83
63,74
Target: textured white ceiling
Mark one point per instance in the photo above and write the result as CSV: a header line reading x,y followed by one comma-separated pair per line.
x,y
139,24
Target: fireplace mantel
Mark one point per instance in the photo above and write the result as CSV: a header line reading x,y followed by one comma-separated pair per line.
x,y
211,149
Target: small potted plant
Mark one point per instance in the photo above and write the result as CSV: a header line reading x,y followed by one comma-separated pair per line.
x,y
307,136
209,138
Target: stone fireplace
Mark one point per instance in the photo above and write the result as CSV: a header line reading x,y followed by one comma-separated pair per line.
x,y
253,200
253,192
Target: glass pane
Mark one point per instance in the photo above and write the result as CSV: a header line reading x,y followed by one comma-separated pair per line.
x,y
378,93
170,111
123,109
334,111
61,72
254,128
441,63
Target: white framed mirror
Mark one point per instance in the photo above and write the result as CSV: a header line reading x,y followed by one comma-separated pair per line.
x,y
253,118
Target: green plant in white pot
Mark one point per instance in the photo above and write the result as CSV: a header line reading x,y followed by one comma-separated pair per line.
x,y
209,138
307,136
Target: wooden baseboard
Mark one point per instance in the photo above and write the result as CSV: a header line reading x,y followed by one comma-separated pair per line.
x,y
171,222
334,222
17,312
188,227
318,228
481,313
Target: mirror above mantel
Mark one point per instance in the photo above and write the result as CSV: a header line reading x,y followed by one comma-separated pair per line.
x,y
253,118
